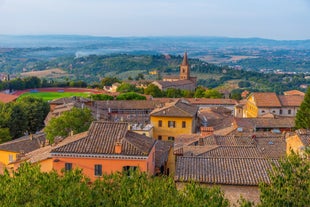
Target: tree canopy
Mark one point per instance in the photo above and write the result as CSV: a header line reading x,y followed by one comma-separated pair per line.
x,y
30,187
302,119
76,120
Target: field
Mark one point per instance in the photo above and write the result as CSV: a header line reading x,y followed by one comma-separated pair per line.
x,y
50,73
47,96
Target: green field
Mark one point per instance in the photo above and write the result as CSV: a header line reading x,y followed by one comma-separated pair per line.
x,y
47,96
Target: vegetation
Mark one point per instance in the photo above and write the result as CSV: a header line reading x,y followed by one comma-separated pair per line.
x,y
101,97
76,120
24,116
30,187
130,96
289,183
302,119
47,96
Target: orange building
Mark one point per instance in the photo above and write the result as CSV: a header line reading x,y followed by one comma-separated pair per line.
x,y
108,147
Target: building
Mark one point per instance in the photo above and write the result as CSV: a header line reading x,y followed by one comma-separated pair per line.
x,y
12,150
236,163
109,147
176,118
260,104
184,81
298,141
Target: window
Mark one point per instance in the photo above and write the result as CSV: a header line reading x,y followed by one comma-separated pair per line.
x,y
159,137
171,124
171,138
280,111
289,111
183,124
11,159
160,123
98,170
68,166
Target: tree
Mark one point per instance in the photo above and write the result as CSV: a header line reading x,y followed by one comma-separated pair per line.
x,y
302,119
29,187
18,122
5,135
212,93
173,93
101,97
127,87
153,90
289,182
76,120
244,84
108,81
130,96
35,110
199,92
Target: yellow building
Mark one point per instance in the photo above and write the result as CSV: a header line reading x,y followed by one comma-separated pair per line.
x,y
298,142
12,150
268,104
174,119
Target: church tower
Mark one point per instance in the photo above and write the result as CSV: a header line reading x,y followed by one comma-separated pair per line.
x,y
185,69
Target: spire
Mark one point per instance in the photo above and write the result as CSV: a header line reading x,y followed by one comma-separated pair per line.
x,y
185,61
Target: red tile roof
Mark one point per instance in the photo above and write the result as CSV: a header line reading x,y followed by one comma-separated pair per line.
x,y
101,140
293,101
266,99
231,171
294,92
178,108
212,101
7,98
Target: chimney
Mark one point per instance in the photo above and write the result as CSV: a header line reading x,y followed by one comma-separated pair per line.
x,y
206,131
118,148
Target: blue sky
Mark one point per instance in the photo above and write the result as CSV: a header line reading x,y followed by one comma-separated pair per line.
x,y
274,19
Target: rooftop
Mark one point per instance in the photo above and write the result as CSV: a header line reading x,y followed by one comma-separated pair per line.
x,y
178,108
7,98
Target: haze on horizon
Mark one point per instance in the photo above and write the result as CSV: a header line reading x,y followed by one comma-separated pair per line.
x,y
272,19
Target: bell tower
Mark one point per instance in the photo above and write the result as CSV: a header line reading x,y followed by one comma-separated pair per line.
x,y
184,69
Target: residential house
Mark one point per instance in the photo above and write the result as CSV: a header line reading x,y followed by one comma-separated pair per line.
x,y
260,104
42,156
133,111
10,151
109,147
216,102
236,163
184,81
174,119
298,141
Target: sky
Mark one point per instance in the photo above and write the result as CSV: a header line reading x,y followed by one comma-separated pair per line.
x,y
272,19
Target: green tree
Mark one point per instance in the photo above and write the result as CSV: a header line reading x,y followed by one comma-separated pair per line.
x,y
18,122
302,119
130,96
108,81
153,90
212,93
199,92
173,93
127,87
35,110
5,135
101,97
76,120
289,182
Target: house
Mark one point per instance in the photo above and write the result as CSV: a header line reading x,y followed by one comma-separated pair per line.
x,y
133,111
210,102
68,100
178,117
184,81
109,147
261,104
42,156
298,141
10,151
236,163
7,98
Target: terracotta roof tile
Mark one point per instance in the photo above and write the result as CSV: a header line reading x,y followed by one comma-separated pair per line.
x,y
231,171
211,101
162,152
178,108
102,137
24,144
266,99
128,104
294,93
291,100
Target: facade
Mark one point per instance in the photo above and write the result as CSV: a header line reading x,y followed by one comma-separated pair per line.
x,y
174,119
109,147
265,104
12,150
184,81
298,141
